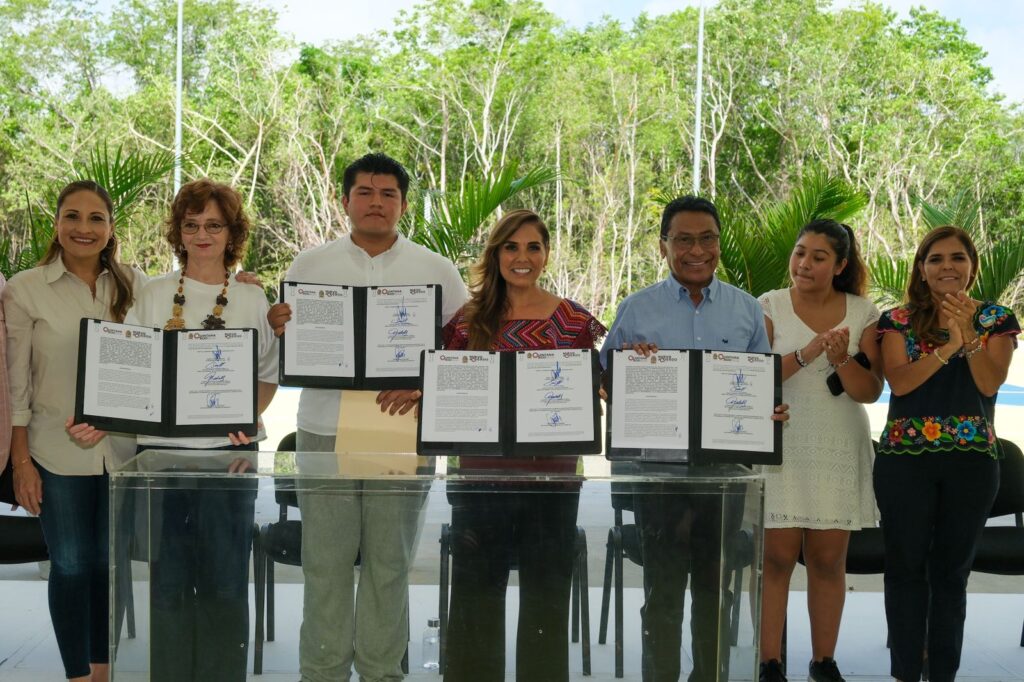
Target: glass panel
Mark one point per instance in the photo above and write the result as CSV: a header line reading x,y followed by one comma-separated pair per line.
x,y
489,568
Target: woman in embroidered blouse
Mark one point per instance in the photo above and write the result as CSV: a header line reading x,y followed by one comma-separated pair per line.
x,y
936,475
78,277
493,526
822,491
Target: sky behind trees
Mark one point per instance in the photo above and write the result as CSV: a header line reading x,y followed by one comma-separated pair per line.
x,y
996,25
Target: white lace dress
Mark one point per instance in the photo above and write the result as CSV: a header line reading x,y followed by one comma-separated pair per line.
x,y
825,479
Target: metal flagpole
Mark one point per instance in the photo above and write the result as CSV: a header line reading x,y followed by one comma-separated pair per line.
x,y
697,101
177,108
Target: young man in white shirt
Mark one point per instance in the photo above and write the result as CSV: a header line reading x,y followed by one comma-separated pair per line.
x,y
382,526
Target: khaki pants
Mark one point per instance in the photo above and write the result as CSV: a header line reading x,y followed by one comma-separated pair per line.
x,y
380,522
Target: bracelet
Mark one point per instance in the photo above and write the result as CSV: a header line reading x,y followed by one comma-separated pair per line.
x,y
973,351
15,465
842,364
939,357
799,358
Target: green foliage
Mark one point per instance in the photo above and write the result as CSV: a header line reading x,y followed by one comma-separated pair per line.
x,y
462,90
1002,265
16,257
755,248
1001,259
888,279
125,176
962,211
459,217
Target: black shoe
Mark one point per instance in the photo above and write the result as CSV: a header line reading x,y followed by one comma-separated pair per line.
x,y
771,671
825,671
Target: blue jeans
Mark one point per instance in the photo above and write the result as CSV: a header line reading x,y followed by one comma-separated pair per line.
x,y
76,527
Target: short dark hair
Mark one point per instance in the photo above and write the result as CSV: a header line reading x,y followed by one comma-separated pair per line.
x,y
375,163
687,203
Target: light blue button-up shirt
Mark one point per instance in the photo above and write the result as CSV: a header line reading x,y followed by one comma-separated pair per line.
x,y
727,318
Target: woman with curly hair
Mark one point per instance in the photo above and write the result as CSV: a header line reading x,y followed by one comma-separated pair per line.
x,y
945,355
203,537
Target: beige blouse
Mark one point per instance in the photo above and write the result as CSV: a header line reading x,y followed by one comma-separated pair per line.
x,y
43,308
5,391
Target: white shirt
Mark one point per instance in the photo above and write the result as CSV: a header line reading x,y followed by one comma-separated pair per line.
x,y
43,307
247,308
341,262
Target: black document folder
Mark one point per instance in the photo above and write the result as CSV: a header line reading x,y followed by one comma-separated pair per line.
x,y
713,428
185,383
506,440
332,348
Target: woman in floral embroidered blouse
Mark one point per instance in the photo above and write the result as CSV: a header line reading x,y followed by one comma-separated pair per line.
x,y
945,356
494,525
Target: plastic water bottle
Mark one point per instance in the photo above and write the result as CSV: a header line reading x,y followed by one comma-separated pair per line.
x,y
432,644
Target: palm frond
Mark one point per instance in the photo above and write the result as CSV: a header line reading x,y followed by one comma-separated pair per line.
x,y
459,217
1002,265
963,211
888,280
817,195
124,175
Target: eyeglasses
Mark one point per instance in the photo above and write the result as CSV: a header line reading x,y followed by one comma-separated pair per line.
x,y
192,228
685,242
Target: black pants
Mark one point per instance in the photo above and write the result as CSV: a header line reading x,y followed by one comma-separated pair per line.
x,y
492,531
933,506
201,539
681,540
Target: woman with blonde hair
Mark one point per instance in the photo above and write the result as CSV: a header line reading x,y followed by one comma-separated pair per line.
x,y
496,524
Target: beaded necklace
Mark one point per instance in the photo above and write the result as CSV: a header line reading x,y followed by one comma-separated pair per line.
x,y
212,321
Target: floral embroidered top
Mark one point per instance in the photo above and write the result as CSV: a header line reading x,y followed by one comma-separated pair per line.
x,y
570,326
947,412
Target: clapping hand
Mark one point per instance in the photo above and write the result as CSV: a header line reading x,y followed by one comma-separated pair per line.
x,y
959,311
836,343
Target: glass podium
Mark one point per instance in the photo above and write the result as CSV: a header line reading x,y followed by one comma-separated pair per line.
x,y
279,565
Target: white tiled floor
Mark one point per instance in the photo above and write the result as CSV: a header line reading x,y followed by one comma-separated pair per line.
x,y
991,647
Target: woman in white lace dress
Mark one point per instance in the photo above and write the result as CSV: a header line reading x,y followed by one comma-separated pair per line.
x,y
822,490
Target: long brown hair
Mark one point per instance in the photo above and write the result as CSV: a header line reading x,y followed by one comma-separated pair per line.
x,y
854,277
488,300
192,198
923,317
121,298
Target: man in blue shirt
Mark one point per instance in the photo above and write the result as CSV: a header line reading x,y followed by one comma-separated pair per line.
x,y
680,534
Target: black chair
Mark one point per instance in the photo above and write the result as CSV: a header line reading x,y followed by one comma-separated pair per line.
x,y
21,540
278,543
1001,549
624,541
580,599
864,556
